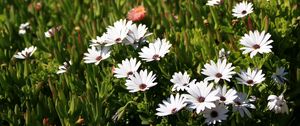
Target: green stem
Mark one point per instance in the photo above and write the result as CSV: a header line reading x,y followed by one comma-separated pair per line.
x,y
213,13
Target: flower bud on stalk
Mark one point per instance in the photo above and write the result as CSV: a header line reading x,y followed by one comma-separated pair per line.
x,y
137,14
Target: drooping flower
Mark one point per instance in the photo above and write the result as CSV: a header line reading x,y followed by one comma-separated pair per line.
x,y
171,105
218,71
136,35
256,42
225,96
26,53
279,75
141,81
156,50
181,81
137,13
277,104
214,115
241,104
52,31
117,33
95,55
23,28
223,54
201,96
64,68
127,68
242,9
99,41
213,2
250,78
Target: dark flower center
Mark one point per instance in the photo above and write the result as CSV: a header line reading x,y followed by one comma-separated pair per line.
x,y
222,98
98,58
129,73
118,40
256,46
250,81
174,110
214,114
155,57
142,86
238,103
201,99
244,12
219,75
185,84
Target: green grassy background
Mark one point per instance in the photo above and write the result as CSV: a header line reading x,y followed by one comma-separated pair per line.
x,y
31,91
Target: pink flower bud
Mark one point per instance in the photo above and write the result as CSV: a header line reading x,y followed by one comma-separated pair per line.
x,y
137,13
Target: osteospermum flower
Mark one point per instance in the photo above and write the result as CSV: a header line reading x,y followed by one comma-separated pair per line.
x,y
279,75
256,42
26,53
171,105
277,104
213,2
223,54
156,50
241,104
23,28
181,81
218,71
137,13
137,34
99,41
225,96
127,68
201,96
117,32
51,32
242,9
250,78
95,55
64,68
141,81
214,115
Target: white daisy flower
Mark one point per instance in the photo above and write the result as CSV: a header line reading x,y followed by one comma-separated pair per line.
x,y
127,68
51,32
64,68
241,104
181,81
225,96
136,34
95,55
23,28
118,32
256,42
250,78
279,75
242,9
277,104
218,71
141,81
213,2
99,41
26,53
156,50
214,115
201,96
223,54
171,105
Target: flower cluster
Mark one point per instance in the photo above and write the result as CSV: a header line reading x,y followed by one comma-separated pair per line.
x,y
125,32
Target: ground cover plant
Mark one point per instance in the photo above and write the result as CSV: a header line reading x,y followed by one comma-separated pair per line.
x,y
151,62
